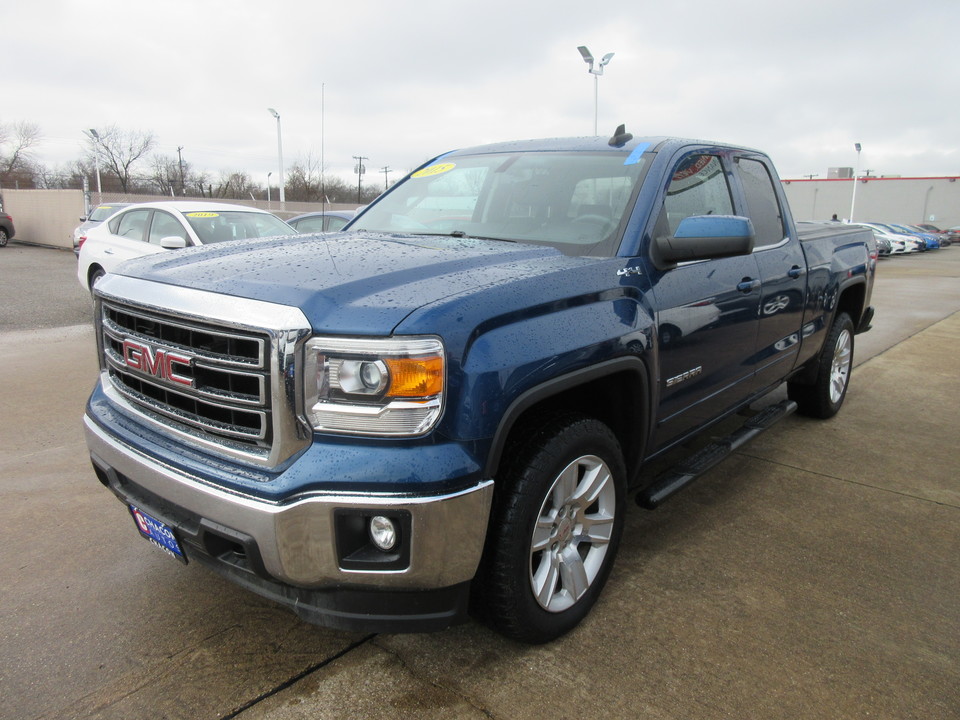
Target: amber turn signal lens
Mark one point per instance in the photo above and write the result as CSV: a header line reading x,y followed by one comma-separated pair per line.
x,y
415,377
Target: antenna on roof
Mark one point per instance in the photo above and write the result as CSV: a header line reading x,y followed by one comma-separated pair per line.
x,y
620,137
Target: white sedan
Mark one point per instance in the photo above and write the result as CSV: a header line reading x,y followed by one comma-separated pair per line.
x,y
155,227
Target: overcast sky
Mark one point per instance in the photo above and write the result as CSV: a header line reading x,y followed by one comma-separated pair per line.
x,y
404,81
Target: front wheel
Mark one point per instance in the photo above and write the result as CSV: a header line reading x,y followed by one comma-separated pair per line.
x,y
556,525
823,398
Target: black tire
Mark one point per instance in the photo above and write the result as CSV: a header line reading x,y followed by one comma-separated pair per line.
x,y
554,530
3,237
95,275
823,397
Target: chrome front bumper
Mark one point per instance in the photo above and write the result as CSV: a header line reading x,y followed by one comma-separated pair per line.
x,y
296,539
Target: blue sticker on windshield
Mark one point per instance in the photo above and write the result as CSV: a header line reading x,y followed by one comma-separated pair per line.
x,y
634,157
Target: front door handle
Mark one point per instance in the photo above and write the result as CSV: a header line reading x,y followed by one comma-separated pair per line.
x,y
795,272
748,285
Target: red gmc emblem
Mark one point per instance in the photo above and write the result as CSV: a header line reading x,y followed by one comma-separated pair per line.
x,y
161,364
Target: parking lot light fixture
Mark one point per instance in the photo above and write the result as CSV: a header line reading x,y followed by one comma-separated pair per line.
x,y
273,112
595,69
95,137
856,172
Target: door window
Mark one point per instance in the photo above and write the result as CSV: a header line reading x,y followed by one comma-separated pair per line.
x,y
335,223
698,187
165,225
762,203
131,225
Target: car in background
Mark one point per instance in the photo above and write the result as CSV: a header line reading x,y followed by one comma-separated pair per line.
x,y
147,228
884,246
322,222
931,240
96,216
942,240
900,244
6,229
952,233
912,239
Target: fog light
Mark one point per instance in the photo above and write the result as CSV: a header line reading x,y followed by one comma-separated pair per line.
x,y
383,532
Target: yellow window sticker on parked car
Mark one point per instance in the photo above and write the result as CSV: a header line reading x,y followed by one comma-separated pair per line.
x,y
434,170
203,215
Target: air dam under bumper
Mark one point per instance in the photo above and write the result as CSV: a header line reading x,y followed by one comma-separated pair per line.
x,y
296,543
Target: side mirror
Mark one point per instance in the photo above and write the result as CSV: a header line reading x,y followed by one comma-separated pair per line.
x,y
705,237
173,242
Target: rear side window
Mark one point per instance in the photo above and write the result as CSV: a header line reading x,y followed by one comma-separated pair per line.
x,y
309,225
762,204
131,225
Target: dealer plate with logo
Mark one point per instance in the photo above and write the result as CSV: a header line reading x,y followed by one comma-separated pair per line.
x,y
159,533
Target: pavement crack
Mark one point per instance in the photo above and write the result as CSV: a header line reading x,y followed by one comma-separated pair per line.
x,y
296,678
439,686
860,483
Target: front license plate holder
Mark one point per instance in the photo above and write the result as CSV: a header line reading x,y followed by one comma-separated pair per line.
x,y
158,533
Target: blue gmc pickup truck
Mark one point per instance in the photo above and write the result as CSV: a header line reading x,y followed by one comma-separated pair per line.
x,y
443,410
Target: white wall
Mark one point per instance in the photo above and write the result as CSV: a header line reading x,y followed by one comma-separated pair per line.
x,y
903,200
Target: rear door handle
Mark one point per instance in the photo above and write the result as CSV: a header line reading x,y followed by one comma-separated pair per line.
x,y
795,272
748,285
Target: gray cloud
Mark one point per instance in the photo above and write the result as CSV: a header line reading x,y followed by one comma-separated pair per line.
x,y
403,82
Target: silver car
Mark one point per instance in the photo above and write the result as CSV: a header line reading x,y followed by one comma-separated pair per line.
x,y
97,215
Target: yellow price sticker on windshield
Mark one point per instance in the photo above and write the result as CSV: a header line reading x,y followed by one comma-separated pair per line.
x,y
203,214
434,170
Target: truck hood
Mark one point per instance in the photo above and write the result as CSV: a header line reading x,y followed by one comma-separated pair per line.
x,y
347,282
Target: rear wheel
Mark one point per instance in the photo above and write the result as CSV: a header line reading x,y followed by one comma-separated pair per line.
x,y
3,237
823,398
555,529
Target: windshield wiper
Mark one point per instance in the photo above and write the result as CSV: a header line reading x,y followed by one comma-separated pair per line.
x,y
462,234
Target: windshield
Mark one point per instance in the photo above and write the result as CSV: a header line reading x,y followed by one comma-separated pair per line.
x,y
213,227
102,212
575,202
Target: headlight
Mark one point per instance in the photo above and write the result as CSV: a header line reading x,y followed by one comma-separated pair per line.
x,y
389,386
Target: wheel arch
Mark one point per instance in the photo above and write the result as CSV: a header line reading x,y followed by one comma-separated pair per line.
x,y
616,392
92,272
852,300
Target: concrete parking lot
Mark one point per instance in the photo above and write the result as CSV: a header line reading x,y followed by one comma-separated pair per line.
x,y
814,574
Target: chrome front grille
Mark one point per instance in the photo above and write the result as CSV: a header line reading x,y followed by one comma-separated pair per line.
x,y
227,394
219,383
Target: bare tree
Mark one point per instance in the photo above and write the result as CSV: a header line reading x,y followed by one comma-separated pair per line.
x,y
305,180
234,185
120,151
165,174
17,141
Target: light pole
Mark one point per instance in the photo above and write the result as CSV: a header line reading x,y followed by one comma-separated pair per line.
x,y
856,172
596,72
95,137
273,112
269,174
